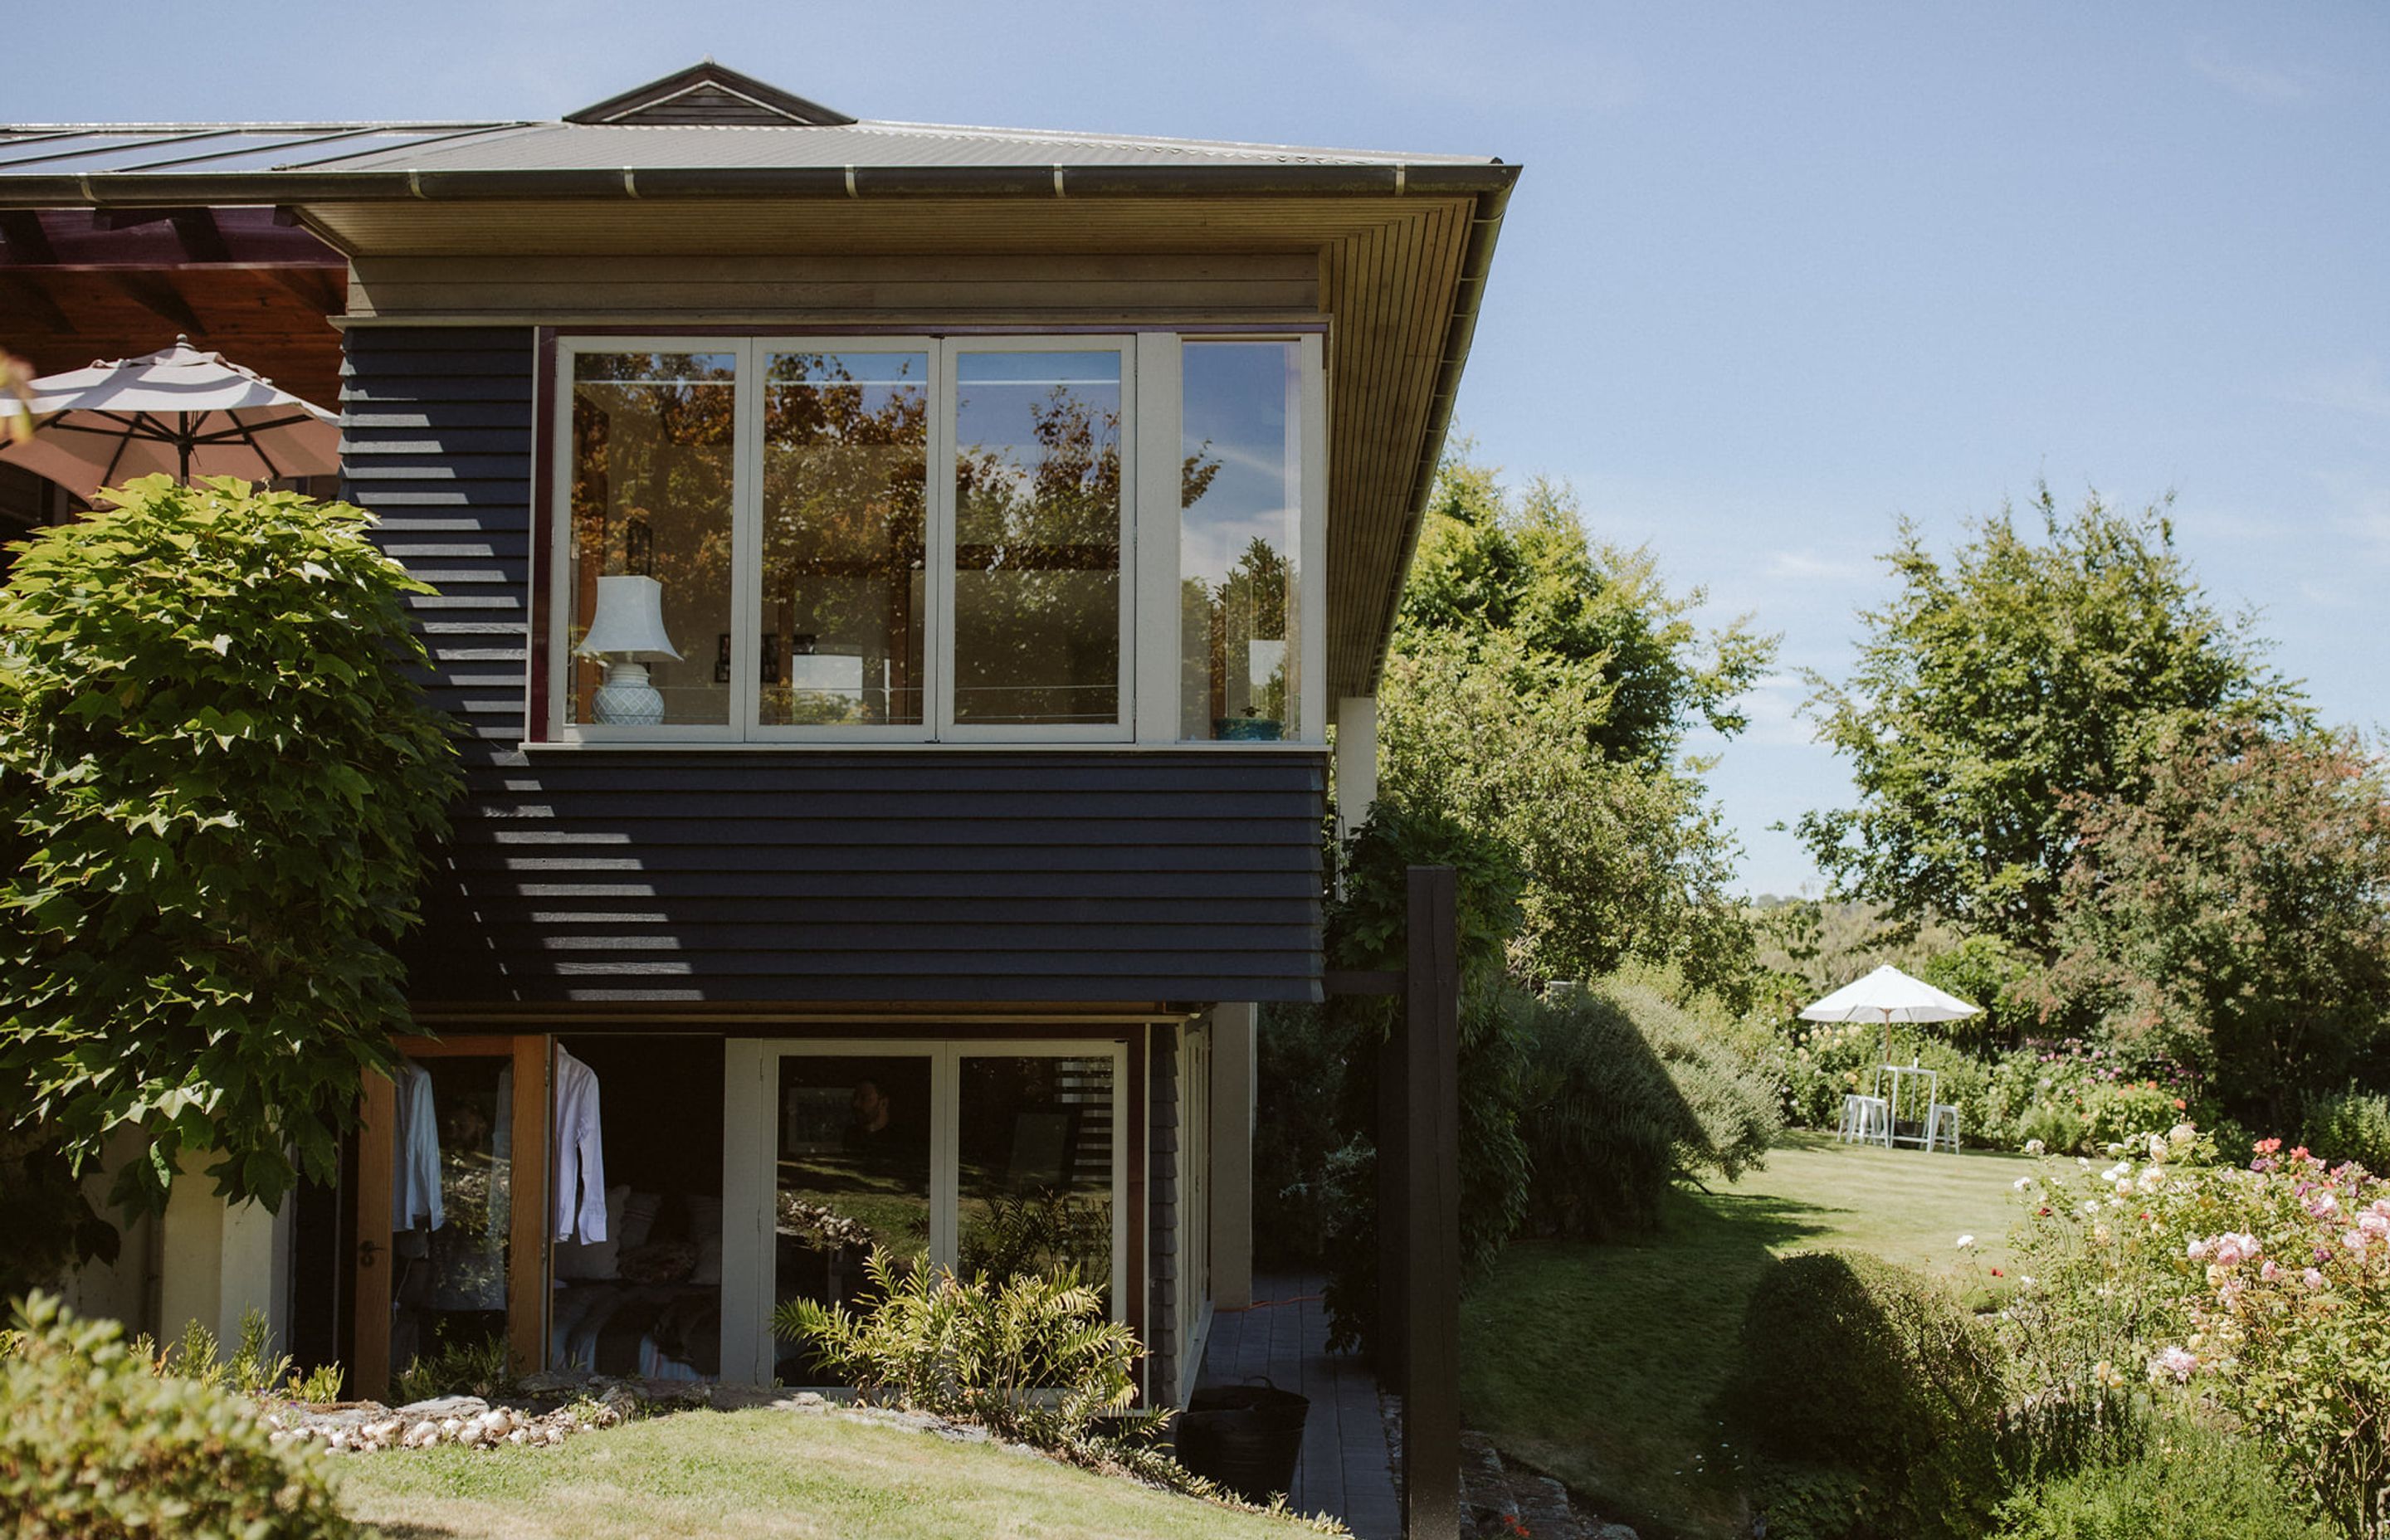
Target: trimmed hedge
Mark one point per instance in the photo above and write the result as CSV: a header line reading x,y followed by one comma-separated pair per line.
x,y
96,1445
1870,1401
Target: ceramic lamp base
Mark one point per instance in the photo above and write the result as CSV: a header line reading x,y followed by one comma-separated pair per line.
x,y
626,700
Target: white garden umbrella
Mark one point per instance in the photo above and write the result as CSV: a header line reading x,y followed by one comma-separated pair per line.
x,y
178,410
1889,995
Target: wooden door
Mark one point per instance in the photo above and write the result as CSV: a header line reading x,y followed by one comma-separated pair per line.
x,y
379,1265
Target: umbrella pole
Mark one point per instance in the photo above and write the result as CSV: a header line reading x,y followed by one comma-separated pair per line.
x,y
183,445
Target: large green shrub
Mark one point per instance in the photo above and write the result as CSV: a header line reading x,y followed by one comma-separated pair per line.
x,y
1623,1089
1299,1121
223,784
2351,1125
1369,929
1870,1401
95,1445
2190,1482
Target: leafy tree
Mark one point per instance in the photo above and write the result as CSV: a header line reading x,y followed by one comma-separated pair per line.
x,y
1540,688
1621,859
224,786
1576,614
1992,688
2236,915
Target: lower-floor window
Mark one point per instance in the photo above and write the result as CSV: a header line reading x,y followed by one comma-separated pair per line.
x,y
999,1158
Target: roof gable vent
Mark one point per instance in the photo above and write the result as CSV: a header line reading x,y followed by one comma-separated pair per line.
x,y
708,93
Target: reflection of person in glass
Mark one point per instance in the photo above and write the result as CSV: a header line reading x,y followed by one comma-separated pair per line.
x,y
873,1130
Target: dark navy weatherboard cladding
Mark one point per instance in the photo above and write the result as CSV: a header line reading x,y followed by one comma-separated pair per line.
x,y
797,874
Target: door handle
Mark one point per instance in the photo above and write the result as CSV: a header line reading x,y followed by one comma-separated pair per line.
x,y
366,1250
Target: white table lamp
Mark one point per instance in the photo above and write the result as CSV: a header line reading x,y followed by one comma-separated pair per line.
x,y
630,619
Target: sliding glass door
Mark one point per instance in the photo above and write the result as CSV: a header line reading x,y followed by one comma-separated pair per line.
x,y
981,1157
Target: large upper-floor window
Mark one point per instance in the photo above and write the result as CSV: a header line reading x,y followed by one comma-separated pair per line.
x,y
1009,538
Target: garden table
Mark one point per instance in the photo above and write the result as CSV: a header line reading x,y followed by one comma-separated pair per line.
x,y
1891,1082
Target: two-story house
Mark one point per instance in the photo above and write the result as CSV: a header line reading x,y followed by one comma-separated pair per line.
x,y
901,587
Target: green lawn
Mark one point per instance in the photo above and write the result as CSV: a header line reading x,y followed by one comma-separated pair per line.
x,y
764,1475
1600,1363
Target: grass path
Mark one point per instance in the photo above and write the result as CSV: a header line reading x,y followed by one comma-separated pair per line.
x,y
764,1475
1600,1363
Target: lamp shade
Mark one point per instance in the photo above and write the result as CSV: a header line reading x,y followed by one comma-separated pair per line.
x,y
630,618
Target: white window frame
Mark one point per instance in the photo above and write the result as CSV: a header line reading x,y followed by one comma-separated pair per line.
x,y
560,588
751,1158
945,419
933,655
1149,445
1158,687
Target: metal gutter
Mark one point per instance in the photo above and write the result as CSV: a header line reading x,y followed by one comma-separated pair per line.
x,y
105,189
1483,231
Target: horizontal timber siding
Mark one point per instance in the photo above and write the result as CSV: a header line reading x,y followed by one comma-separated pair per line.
x,y
796,873
834,288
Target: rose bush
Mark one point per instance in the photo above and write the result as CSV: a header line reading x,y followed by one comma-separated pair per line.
x,y
2079,1097
2261,1291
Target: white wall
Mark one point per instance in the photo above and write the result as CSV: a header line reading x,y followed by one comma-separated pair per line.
x,y
1356,763
217,1261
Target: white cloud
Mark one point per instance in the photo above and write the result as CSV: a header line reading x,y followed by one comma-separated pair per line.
x,y
2358,386
2244,78
1808,566
2362,510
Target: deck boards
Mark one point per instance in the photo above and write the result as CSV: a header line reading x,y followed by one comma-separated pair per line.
x,y
1345,1468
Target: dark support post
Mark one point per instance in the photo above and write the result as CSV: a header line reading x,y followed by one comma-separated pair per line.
x,y
1428,1330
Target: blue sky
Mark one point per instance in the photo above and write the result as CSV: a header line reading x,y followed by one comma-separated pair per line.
x,y
1775,273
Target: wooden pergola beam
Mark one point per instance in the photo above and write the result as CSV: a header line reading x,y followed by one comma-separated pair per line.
x,y
159,296
28,243
21,293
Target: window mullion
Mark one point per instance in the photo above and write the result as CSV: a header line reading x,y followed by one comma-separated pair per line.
x,y
937,644
747,543
1152,676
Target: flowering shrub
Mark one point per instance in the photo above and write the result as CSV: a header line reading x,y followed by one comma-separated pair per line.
x,y
2262,1291
2078,1098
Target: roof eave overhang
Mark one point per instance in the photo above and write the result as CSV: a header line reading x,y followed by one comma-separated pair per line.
x,y
1488,184
120,190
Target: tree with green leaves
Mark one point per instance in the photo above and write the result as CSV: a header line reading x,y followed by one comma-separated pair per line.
x,y
2235,916
223,785
2035,666
1540,688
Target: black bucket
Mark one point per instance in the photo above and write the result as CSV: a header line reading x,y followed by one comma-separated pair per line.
x,y
1249,1438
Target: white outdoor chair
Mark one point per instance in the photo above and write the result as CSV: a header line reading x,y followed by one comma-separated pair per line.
x,y
1865,1119
1942,1115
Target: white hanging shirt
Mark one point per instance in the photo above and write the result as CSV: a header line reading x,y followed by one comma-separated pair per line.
x,y
580,1185
415,1175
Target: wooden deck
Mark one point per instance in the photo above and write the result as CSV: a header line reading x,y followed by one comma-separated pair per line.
x,y
1345,1469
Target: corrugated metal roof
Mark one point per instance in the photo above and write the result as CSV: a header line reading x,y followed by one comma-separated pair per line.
x,y
579,146
216,148
80,150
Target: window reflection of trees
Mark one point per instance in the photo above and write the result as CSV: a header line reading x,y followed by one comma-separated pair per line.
x,y
844,531
1038,550
1038,639
652,462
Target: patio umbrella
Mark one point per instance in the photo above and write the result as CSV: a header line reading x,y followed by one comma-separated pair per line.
x,y
178,410
1890,995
